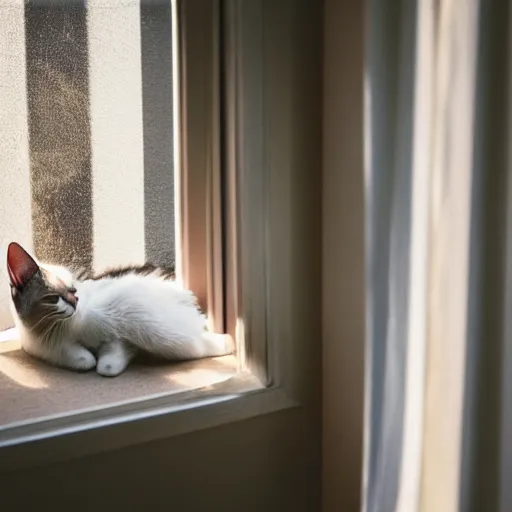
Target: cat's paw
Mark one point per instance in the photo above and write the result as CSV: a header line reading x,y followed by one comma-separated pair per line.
x,y
111,365
83,362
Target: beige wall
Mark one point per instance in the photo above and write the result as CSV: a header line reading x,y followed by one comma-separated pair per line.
x,y
343,256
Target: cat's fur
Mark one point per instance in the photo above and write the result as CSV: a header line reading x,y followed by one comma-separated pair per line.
x,y
103,322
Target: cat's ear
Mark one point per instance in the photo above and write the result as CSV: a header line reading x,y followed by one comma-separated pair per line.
x,y
20,265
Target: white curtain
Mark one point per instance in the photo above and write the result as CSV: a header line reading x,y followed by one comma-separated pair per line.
x,y
439,256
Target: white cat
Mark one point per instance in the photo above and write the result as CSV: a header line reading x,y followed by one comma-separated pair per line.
x,y
104,321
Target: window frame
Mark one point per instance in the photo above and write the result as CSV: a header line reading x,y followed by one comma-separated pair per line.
x,y
199,226
246,185
263,161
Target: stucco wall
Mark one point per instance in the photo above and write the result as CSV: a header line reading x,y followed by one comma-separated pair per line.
x,y
86,161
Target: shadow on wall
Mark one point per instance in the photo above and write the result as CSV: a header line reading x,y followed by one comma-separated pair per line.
x,y
57,117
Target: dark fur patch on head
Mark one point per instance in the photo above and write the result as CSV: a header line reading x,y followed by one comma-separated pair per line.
x,y
35,292
147,269
37,303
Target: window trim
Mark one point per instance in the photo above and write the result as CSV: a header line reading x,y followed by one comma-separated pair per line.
x,y
246,185
199,228
280,346
274,157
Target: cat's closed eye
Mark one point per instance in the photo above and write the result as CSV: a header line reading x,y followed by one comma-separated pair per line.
x,y
52,299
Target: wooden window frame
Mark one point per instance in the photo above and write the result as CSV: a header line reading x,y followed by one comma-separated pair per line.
x,y
256,261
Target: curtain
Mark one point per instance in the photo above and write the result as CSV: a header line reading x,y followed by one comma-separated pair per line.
x,y
438,422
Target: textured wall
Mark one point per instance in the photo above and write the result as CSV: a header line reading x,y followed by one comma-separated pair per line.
x,y
86,162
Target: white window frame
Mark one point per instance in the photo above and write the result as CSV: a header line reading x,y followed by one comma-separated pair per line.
x,y
265,159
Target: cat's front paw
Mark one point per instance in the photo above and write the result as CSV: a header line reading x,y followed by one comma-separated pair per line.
x,y
111,365
83,362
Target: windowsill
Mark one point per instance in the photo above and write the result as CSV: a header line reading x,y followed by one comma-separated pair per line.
x,y
48,414
31,390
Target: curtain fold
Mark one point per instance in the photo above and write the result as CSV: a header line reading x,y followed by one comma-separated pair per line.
x,y
439,350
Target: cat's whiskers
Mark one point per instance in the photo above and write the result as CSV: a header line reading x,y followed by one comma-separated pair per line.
x,y
48,316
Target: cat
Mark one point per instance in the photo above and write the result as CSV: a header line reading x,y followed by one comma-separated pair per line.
x,y
104,321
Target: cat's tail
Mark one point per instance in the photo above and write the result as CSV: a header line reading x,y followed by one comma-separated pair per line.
x,y
217,344
207,344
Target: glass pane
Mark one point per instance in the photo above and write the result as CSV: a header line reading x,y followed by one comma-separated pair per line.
x,y
86,133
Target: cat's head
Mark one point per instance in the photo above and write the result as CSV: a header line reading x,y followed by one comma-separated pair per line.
x,y
41,298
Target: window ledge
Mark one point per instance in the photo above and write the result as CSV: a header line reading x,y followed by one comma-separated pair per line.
x,y
31,390
48,414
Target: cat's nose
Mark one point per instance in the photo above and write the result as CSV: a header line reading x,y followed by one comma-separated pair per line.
x,y
71,298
